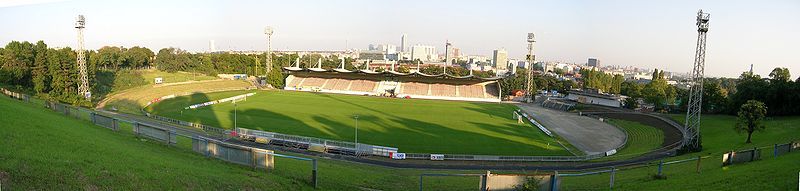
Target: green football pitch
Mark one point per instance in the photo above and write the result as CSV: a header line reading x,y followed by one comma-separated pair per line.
x,y
411,125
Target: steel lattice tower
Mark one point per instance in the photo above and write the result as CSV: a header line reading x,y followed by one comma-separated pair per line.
x,y
529,90
269,31
83,89
691,139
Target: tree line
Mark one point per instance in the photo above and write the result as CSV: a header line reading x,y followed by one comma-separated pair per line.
x,y
52,73
779,93
47,72
540,82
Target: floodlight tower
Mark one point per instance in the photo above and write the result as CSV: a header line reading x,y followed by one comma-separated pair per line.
x,y
83,89
529,95
447,46
268,31
691,137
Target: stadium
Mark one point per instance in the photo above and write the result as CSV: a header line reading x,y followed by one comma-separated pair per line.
x,y
131,118
386,115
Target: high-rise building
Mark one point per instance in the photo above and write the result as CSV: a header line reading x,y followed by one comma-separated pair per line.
x,y
500,59
387,48
593,62
211,46
447,50
403,43
423,53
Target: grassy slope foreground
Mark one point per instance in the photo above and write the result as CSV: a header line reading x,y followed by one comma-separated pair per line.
x,y
412,125
770,173
641,139
43,150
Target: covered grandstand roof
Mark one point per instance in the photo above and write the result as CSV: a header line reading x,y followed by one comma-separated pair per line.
x,y
390,72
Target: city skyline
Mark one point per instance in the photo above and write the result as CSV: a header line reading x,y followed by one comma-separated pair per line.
x,y
625,33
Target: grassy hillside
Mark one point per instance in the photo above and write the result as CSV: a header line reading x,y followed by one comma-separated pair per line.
x,y
43,150
770,173
110,82
719,136
132,100
150,75
412,125
641,139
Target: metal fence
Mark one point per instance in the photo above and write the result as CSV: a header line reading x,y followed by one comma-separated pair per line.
x,y
305,142
15,95
228,152
155,132
205,128
105,121
727,158
257,158
360,149
425,156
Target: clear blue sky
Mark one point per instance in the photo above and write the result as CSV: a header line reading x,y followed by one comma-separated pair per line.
x,y
651,34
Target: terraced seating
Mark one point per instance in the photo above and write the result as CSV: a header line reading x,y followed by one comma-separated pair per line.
x,y
414,88
443,90
363,85
473,91
491,90
337,84
295,82
313,82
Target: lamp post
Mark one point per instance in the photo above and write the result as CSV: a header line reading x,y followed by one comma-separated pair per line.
x,y
234,114
356,117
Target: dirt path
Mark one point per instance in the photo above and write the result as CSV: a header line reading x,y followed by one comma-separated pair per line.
x,y
587,134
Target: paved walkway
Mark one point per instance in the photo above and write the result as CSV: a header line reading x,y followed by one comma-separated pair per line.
x,y
587,134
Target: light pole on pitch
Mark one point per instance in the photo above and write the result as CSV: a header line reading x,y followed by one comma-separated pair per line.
x,y
234,114
356,117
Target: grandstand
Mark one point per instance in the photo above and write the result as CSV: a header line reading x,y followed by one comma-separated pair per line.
x,y
394,84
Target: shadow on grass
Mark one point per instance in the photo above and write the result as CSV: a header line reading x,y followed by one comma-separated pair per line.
x,y
377,127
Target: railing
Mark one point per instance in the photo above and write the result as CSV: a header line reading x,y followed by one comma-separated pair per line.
x,y
357,148
540,126
205,128
170,138
462,157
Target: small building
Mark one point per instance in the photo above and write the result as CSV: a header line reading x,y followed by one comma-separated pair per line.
x,y
159,80
596,97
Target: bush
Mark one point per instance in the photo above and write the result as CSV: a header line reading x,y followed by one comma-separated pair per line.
x,y
276,78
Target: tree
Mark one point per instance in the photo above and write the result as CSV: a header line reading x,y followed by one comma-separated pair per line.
x,y
778,94
780,74
714,100
634,91
40,77
111,57
517,82
457,71
139,57
276,78
595,79
403,69
750,87
658,92
17,58
750,116
431,69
